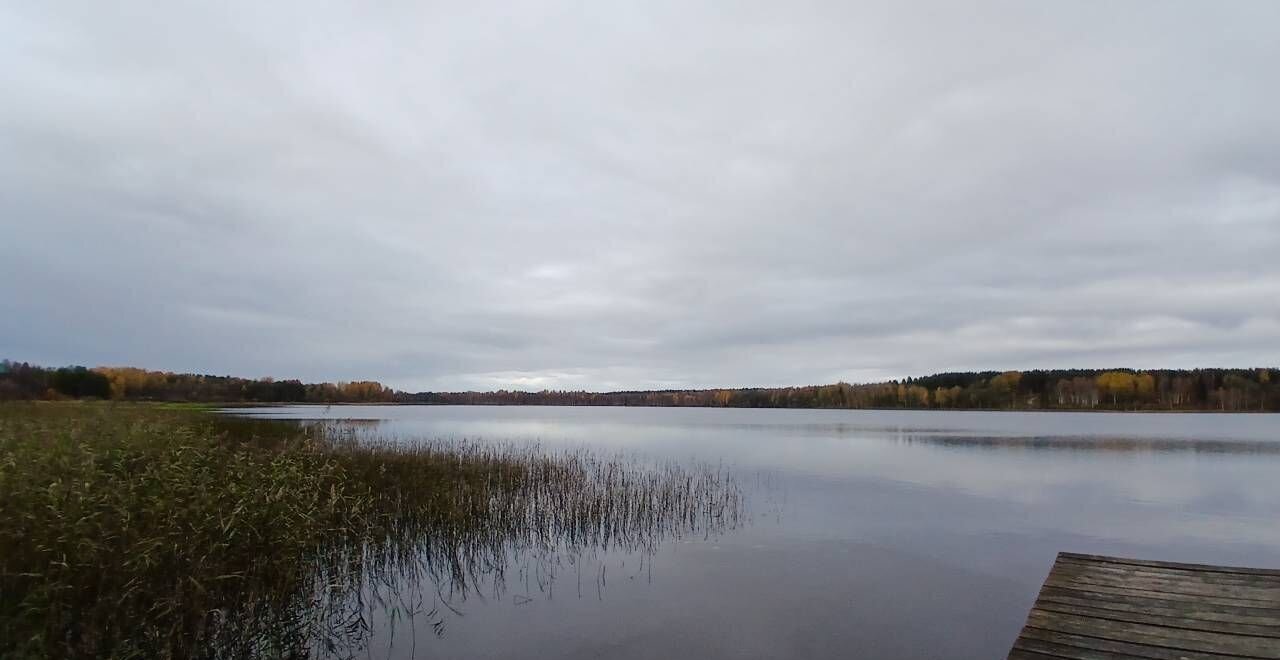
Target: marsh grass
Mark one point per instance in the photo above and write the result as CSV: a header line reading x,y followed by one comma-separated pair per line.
x,y
147,531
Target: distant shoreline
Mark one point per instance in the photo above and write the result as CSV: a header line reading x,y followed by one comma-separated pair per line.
x,y
278,404
1041,390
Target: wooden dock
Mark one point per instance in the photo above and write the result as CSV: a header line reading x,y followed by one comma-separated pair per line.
x,y
1103,608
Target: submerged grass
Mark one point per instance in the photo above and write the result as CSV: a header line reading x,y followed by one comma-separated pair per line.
x,y
142,531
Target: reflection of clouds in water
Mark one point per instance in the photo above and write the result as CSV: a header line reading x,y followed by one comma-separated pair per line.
x,y
526,523
970,490
1164,500
1082,443
518,420
1030,475
1029,458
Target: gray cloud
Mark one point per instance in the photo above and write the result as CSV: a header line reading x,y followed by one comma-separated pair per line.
x,y
547,194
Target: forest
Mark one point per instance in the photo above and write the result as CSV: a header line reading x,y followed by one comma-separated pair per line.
x,y
1056,389
25,381
1234,390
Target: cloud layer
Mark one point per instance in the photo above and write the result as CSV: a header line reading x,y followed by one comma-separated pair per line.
x,y
570,195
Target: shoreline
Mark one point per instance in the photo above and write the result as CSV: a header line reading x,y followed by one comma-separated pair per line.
x,y
275,404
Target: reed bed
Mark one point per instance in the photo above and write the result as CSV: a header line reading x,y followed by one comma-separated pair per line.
x,y
133,531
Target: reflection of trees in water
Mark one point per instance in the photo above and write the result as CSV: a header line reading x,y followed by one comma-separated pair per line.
x,y
537,519
340,425
1091,443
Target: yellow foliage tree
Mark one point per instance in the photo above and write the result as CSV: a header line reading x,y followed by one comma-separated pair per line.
x,y
1008,382
1144,385
1117,384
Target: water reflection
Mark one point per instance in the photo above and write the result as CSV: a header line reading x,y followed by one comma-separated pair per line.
x,y
524,527
1088,443
866,524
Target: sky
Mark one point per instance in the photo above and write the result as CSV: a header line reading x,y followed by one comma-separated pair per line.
x,y
603,195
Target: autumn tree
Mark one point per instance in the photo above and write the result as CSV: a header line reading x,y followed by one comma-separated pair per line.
x,y
1117,384
1007,383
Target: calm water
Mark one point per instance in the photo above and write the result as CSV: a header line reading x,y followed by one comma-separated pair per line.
x,y
871,534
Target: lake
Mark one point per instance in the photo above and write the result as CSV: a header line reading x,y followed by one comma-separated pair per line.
x,y
866,534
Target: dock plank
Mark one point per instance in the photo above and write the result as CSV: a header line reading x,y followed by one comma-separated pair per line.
x,y
1174,574
1222,613
1168,619
1196,568
1161,595
1189,585
1093,607
1078,647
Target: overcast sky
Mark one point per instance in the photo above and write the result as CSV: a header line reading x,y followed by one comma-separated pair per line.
x,y
607,195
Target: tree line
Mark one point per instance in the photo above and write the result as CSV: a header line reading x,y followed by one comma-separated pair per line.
x,y
1051,389
1054,389
25,381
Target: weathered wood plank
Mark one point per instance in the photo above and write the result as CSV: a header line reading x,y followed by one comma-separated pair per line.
x,y
1117,649
1170,564
1269,619
1107,608
1068,652
1158,619
1188,586
1020,654
1157,594
1176,638
1138,572
1173,574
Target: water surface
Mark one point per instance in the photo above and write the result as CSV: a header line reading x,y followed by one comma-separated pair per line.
x,y
875,534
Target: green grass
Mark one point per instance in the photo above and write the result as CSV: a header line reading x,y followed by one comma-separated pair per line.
x,y
146,530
